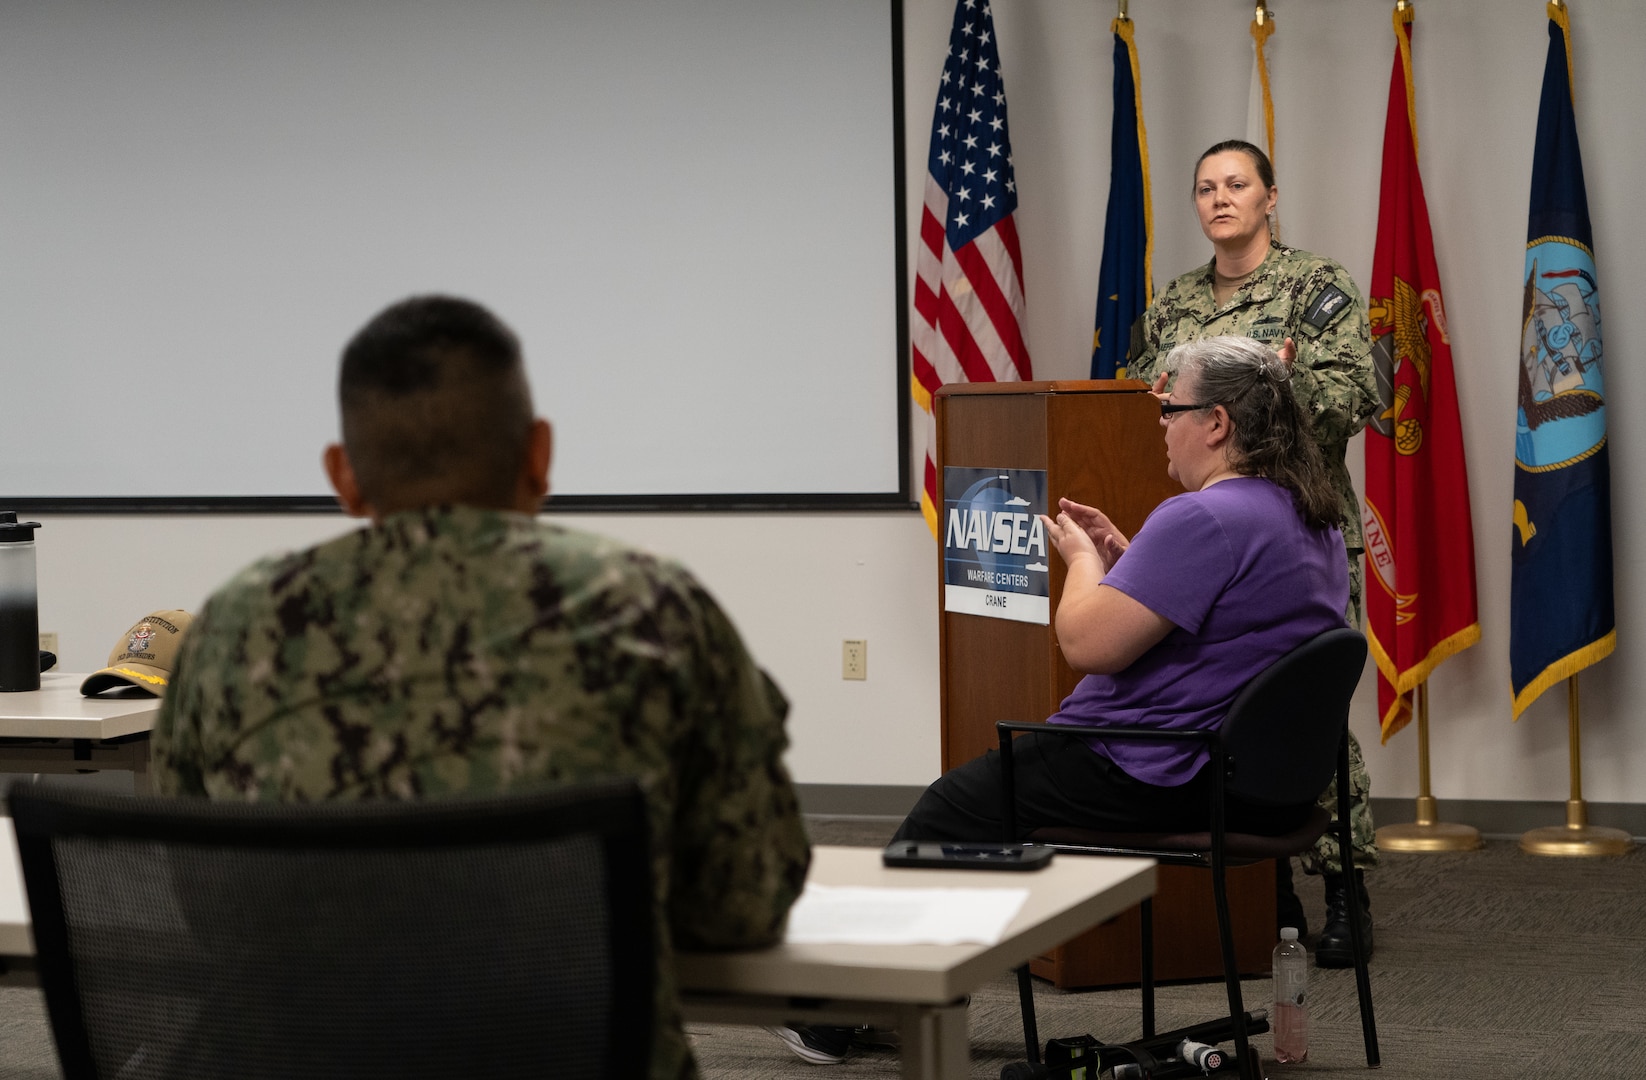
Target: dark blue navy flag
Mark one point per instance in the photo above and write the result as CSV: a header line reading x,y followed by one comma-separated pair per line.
x,y
1561,618
1124,287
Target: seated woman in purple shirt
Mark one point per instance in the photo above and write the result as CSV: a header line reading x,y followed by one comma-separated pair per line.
x,y
1219,583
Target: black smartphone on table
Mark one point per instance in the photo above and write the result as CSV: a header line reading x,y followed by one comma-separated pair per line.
x,y
952,855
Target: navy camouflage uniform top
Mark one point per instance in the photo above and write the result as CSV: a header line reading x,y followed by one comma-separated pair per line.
x,y
450,651
1292,294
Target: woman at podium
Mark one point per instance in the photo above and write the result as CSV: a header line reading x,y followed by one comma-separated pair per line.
x,y
1307,307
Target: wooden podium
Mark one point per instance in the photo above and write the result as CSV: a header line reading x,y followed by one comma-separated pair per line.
x,y
1099,443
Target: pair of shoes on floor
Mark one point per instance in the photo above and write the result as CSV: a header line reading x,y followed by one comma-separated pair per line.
x,y
1335,948
821,1045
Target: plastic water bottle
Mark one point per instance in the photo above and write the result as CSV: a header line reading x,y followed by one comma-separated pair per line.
x,y
1291,1015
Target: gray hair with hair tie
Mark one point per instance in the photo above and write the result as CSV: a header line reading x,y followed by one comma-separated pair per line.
x,y
1272,436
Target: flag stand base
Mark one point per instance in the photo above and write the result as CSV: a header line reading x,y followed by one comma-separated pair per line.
x,y
1426,834
1576,838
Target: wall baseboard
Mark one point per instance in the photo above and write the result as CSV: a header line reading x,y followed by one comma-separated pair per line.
x,y
858,800
1493,817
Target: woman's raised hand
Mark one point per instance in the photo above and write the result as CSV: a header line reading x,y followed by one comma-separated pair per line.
x,y
1107,541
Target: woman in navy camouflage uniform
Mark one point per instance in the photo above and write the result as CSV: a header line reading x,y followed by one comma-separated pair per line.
x,y
1307,308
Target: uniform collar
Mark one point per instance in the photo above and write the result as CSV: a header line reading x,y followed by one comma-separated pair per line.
x,y
1257,289
428,522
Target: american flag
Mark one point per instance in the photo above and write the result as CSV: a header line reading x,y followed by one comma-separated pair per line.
x,y
968,296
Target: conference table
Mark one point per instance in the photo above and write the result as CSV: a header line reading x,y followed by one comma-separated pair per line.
x,y
56,729
920,990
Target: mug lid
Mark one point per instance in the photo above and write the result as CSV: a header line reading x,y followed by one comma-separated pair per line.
x,y
13,531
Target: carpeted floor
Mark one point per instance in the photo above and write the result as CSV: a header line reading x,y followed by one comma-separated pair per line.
x,y
1488,964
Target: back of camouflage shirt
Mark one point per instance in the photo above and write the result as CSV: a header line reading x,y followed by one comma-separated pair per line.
x,y
450,651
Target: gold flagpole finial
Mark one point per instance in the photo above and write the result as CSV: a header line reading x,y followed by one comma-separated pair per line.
x,y
1262,13
1403,5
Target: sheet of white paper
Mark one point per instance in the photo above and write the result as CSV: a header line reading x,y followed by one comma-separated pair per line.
x,y
861,915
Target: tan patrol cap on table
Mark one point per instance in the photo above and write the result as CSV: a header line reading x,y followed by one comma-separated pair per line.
x,y
145,655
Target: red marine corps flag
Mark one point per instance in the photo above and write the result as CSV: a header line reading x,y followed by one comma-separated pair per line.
x,y
1420,589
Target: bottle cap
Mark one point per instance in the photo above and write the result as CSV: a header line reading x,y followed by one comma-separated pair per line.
x,y
1288,933
13,531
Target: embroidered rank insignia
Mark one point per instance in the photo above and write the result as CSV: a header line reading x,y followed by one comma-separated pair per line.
x,y
1326,307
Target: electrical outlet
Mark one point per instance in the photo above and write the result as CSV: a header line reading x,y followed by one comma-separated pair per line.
x,y
48,641
854,662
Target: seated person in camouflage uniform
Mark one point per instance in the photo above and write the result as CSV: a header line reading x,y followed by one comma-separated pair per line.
x,y
457,645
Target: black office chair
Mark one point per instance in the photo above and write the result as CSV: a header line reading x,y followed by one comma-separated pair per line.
x,y
498,937
1284,736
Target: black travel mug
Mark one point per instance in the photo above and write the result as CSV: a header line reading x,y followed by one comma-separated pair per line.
x,y
19,606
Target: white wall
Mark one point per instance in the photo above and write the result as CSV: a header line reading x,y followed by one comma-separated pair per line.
x,y
798,584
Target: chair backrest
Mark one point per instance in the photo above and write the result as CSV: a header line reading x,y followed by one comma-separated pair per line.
x,y
1283,729
498,937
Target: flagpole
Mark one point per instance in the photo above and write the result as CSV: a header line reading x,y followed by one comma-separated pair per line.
x,y
1576,837
1426,833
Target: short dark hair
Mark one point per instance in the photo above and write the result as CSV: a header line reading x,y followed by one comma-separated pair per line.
x,y
1273,437
435,406
1265,170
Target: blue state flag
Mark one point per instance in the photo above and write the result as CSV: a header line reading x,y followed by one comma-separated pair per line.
x,y
1124,288
1561,617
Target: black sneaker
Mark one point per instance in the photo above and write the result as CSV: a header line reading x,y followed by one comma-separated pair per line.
x,y
814,1044
873,1038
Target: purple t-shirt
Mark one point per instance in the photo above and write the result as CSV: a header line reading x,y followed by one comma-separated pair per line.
x,y
1244,581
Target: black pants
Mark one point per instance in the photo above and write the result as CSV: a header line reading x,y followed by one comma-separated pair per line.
x,y
1062,781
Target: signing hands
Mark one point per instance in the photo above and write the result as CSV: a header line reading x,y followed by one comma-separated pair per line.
x,y
1081,530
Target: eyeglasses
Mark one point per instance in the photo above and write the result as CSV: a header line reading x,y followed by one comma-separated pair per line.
x,y
1168,408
